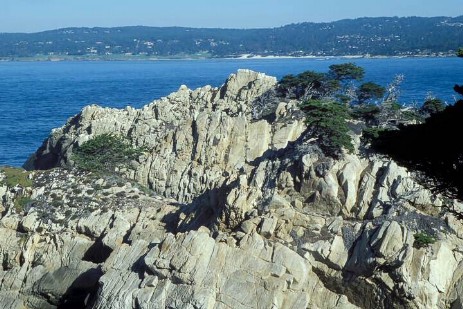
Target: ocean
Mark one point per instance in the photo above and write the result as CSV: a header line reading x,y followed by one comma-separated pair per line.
x,y
38,96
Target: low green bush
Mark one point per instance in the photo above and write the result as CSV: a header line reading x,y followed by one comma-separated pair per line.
x,y
412,115
21,202
423,240
16,176
104,153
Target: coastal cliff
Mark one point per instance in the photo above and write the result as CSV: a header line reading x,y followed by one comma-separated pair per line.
x,y
231,205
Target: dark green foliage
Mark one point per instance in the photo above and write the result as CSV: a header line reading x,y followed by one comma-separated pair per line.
x,y
393,106
288,81
369,134
432,106
385,114
369,91
306,84
366,112
412,115
314,85
15,176
432,148
405,36
327,119
343,98
104,153
346,71
423,240
389,114
21,203
460,52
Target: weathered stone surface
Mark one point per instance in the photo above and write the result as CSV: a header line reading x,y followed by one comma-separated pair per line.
x,y
244,212
198,139
388,240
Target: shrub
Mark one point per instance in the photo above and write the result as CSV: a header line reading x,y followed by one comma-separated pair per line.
x,y
16,176
394,106
423,240
327,119
105,153
412,115
21,203
432,106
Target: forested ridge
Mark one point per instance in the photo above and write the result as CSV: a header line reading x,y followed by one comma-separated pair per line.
x,y
389,36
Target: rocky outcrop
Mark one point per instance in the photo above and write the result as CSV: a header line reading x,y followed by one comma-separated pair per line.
x,y
197,140
233,205
80,242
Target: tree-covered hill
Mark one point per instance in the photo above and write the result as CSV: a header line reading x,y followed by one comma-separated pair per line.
x,y
390,36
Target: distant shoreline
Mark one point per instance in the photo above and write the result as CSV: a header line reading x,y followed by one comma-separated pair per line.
x,y
375,37
193,57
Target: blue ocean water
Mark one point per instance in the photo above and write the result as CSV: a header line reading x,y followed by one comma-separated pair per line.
x,y
38,96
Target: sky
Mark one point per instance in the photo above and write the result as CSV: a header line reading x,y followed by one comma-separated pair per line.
x,y
39,15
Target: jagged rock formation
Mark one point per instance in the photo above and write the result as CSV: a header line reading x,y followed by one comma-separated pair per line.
x,y
245,212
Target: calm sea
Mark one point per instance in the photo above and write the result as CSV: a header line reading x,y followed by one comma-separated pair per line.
x,y
38,96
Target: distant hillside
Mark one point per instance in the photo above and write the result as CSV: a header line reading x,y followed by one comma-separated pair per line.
x,y
391,36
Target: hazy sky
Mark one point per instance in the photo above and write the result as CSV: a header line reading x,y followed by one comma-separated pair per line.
x,y
37,15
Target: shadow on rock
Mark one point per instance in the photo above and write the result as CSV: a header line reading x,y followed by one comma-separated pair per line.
x,y
205,210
